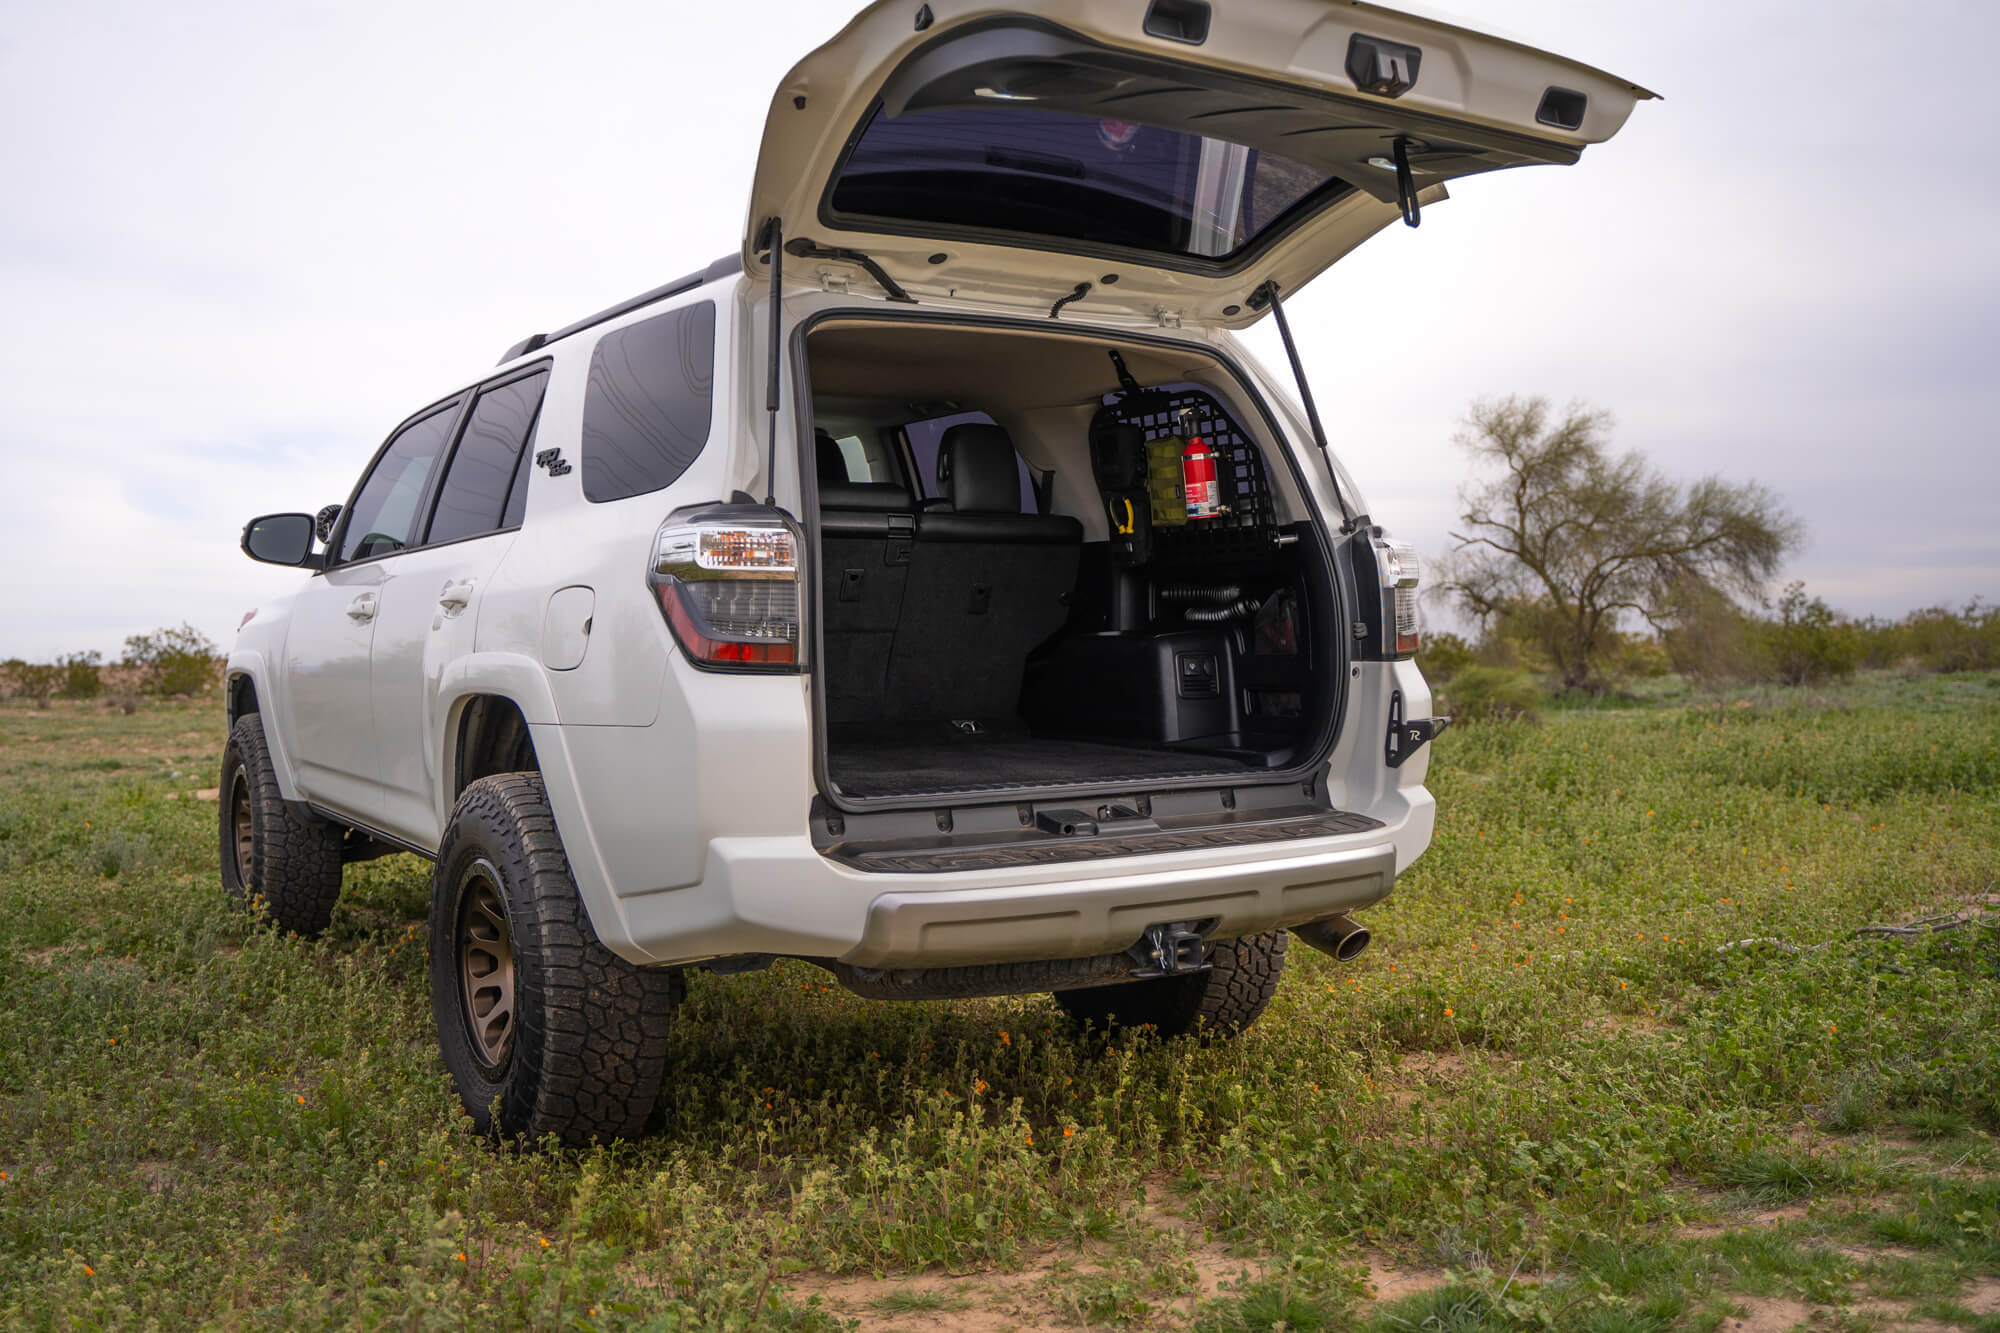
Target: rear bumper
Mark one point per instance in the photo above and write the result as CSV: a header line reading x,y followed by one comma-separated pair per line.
x,y
1077,920
781,896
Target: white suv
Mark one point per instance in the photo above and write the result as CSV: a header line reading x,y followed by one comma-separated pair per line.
x,y
934,591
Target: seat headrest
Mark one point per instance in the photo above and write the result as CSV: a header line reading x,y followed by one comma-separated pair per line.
x,y
978,469
832,464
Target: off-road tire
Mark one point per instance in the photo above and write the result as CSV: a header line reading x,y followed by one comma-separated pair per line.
x,y
275,858
1220,1002
585,1046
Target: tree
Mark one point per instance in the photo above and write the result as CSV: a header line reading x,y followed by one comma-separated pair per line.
x,y
1570,537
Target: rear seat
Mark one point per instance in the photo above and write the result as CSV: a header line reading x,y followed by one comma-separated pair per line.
x,y
866,532
987,583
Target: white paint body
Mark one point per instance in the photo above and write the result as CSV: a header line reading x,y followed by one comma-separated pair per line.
x,y
683,795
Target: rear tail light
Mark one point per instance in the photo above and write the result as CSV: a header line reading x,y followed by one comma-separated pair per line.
x,y
1400,571
728,581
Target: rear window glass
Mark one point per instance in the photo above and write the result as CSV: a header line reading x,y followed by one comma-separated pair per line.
x,y
485,467
646,408
1072,178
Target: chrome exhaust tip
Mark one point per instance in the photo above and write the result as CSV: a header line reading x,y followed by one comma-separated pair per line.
x,y
1340,937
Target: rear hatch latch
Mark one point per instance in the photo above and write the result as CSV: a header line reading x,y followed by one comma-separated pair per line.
x,y
1406,737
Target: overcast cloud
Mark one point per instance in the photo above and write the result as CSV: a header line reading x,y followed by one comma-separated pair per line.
x,y
238,242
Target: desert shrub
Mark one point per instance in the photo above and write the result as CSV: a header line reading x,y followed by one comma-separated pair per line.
x,y
173,661
1936,639
1709,639
1444,656
34,681
1807,643
1492,692
1519,635
1636,657
80,679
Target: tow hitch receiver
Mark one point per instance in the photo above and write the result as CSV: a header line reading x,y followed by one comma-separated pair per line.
x,y
1407,737
1170,949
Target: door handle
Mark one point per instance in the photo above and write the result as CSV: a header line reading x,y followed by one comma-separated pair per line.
x,y
362,608
455,596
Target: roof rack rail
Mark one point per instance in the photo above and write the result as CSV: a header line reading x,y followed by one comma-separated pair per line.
x,y
725,267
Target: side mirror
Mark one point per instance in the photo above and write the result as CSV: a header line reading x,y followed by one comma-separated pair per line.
x,y
279,539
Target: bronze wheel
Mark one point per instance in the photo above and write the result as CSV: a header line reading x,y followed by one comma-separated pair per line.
x,y
485,964
243,831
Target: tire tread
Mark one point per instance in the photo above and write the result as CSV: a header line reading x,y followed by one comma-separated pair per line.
x,y
297,856
589,1052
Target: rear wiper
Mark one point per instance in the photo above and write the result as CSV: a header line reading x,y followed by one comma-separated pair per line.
x,y
806,248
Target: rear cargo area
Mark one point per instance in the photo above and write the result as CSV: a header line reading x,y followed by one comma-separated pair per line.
x,y
1017,595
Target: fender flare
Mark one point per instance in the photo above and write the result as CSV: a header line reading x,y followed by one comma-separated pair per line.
x,y
523,681
515,677
249,662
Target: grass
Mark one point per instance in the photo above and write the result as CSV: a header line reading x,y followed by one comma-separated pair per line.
x,y
1614,1018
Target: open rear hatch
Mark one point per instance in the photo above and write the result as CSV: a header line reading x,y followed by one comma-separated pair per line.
x,y
1161,160
1116,163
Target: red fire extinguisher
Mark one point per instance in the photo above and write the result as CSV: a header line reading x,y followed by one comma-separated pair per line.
x,y
1204,493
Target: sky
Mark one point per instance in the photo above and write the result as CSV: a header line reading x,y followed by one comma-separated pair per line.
x,y
239,242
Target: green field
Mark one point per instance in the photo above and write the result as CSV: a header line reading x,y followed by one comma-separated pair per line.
x,y
1561,1091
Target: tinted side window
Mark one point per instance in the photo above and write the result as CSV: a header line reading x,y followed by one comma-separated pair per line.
x,y
646,409
475,494
384,515
517,494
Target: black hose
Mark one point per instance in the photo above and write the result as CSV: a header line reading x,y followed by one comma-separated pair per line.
x,y
1241,609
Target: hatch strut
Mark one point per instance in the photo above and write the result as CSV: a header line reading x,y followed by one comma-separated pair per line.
x,y
771,238
1406,185
806,248
1268,295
